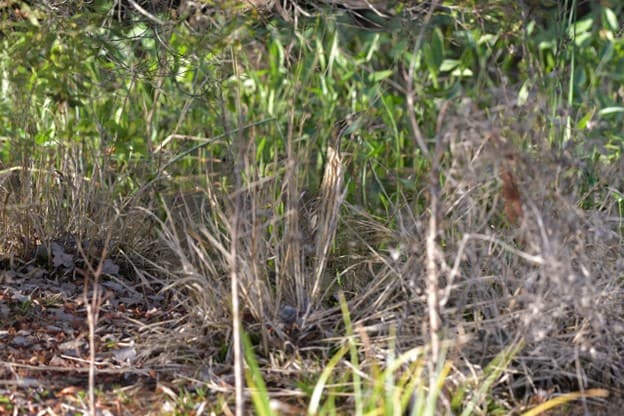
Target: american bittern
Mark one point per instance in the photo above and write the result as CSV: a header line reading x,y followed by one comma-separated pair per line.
x,y
331,198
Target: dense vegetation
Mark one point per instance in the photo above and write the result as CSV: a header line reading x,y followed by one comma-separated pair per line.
x,y
406,207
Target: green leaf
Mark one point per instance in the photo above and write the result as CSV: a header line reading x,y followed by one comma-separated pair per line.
x,y
581,39
434,54
523,95
253,375
373,48
609,19
334,54
580,27
322,382
276,62
381,75
437,47
487,38
611,110
462,72
449,65
582,123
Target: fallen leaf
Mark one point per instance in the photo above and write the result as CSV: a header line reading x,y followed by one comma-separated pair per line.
x,y
125,355
511,197
60,258
69,391
110,268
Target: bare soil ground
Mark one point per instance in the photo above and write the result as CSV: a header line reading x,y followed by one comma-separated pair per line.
x,y
45,351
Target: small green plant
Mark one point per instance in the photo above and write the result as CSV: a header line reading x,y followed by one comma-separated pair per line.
x,y
253,375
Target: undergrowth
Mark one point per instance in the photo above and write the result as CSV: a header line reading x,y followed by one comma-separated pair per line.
x,y
305,173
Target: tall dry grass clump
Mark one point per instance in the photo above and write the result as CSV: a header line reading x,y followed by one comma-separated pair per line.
x,y
66,216
328,213
520,261
284,243
61,194
524,260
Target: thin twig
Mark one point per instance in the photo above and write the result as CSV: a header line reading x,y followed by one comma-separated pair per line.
x,y
409,95
235,231
145,13
93,307
432,249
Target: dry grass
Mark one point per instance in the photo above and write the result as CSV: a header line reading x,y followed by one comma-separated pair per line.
x,y
522,251
552,279
547,274
544,271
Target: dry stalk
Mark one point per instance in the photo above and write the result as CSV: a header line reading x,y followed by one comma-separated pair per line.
x,y
432,251
235,225
236,321
293,256
332,196
93,307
